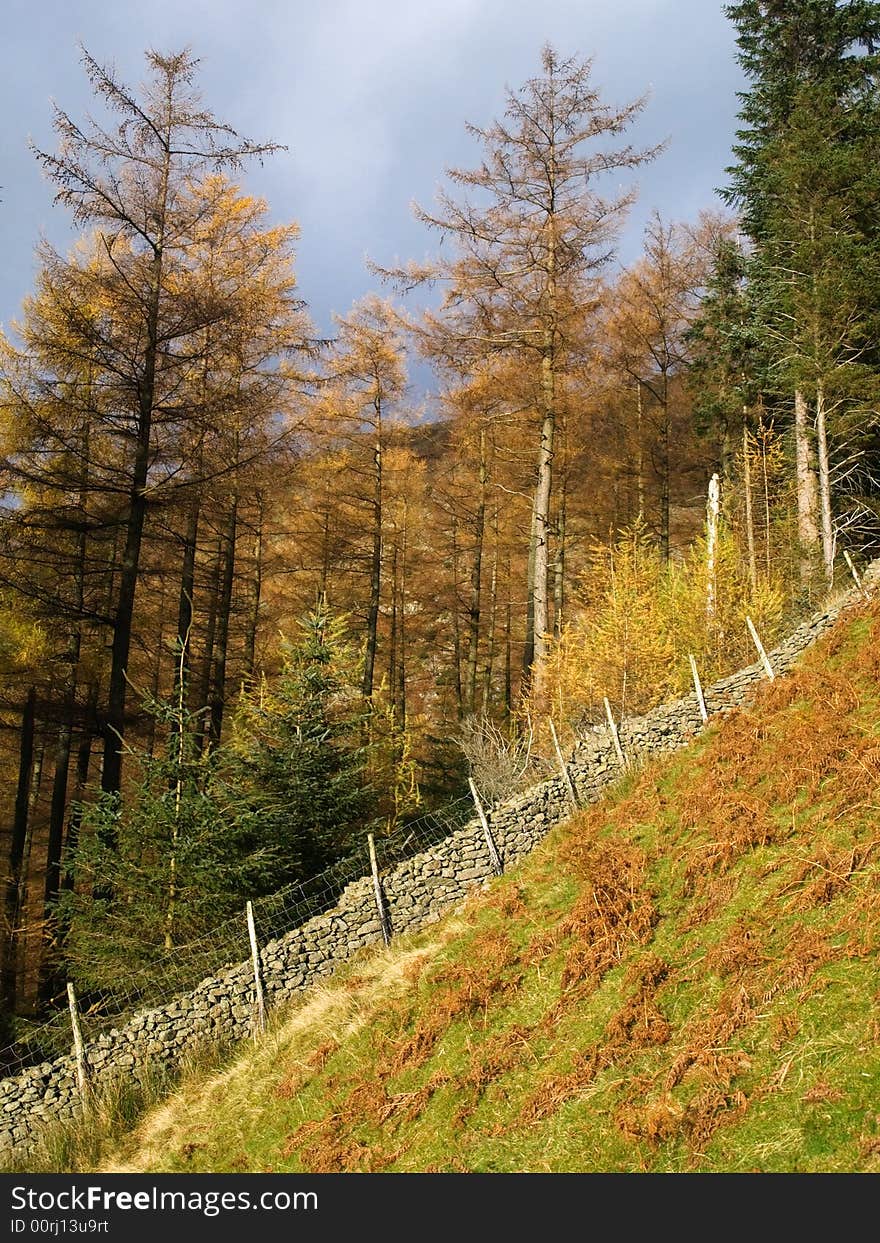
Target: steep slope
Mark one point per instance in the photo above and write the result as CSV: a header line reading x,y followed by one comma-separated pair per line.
x,y
683,977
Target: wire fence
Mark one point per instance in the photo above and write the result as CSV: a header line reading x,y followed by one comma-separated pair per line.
x,y
182,968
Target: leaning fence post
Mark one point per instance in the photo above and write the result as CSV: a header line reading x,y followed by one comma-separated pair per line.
x,y
259,1019
765,660
856,576
698,688
82,1073
566,775
497,866
612,724
377,891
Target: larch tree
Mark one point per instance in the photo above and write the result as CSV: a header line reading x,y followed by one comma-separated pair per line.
x,y
366,380
653,305
127,181
533,224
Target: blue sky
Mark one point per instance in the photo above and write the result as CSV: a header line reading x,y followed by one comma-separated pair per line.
x,y
370,97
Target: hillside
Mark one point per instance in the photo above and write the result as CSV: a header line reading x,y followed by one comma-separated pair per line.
x,y
683,977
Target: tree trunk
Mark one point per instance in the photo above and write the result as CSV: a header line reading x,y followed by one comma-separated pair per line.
x,y
17,850
111,773
83,762
664,469
713,511
747,489
456,625
201,700
375,564
508,652
58,806
476,580
640,454
48,975
182,663
542,528
768,554
559,564
217,700
399,690
253,620
493,621
824,486
807,487
529,641
392,645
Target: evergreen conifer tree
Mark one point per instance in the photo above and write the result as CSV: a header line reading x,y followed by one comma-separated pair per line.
x,y
296,759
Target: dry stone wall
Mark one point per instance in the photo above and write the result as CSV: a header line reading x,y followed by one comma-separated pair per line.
x,y
417,892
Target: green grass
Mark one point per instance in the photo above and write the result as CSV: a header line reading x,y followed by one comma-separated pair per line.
x,y
681,978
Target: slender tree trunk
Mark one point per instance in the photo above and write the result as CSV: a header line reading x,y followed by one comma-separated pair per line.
x,y
544,481
640,453
713,513
456,625
325,546
766,496
56,817
253,621
48,976
508,654
400,689
392,645
58,806
807,486
17,851
217,700
664,468
559,562
375,561
202,700
529,641
824,485
156,679
542,526
83,762
476,580
111,773
747,489
493,621
36,788
186,595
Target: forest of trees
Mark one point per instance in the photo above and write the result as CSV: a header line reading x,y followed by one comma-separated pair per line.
x,y
259,597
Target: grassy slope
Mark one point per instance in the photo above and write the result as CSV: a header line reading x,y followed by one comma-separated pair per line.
x,y
683,978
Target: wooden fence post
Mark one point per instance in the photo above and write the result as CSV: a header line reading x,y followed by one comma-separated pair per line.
x,y
856,576
612,725
79,1050
765,660
713,513
377,891
497,866
259,1019
698,688
566,775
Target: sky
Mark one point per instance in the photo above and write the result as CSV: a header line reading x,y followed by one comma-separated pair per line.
x,y
371,98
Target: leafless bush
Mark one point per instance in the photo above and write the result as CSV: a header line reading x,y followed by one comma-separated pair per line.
x,y
500,763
